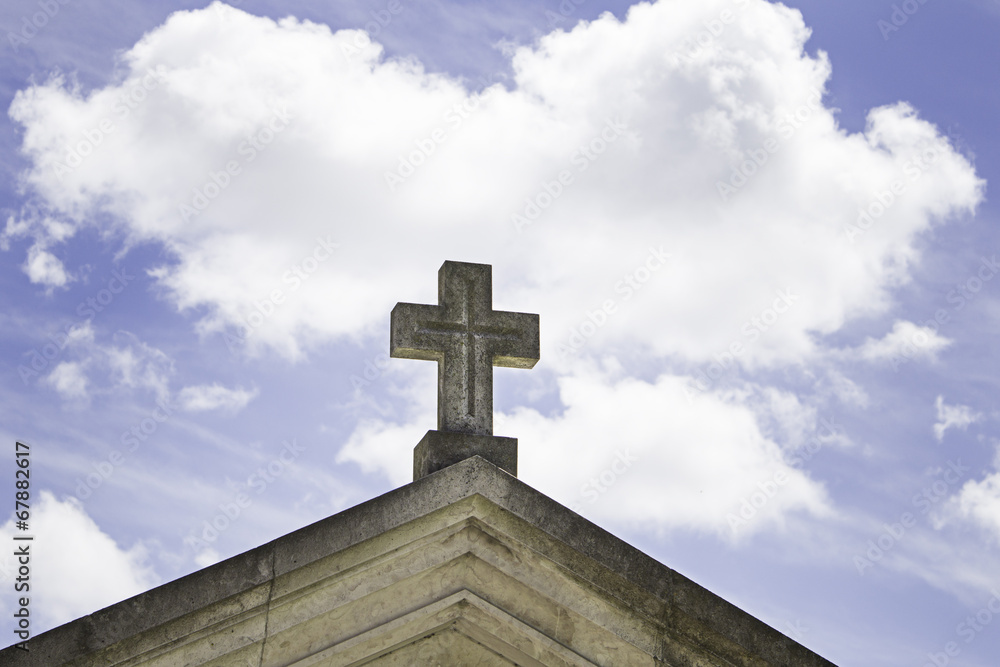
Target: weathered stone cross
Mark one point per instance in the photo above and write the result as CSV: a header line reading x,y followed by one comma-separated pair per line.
x,y
467,338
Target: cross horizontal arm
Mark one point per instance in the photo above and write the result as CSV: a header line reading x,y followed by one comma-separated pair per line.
x,y
408,339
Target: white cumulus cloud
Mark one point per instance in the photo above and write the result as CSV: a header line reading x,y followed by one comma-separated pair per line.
x,y
69,379
617,452
644,128
906,341
639,190
76,568
45,268
978,502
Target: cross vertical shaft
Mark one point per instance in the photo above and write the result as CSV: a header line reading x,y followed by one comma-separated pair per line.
x,y
467,338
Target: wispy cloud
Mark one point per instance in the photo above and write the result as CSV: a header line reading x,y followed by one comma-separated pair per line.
x,y
906,341
214,397
952,416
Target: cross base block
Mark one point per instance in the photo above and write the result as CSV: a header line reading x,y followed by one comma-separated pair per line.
x,y
439,449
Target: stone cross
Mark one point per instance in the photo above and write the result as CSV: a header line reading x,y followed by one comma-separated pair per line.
x,y
467,338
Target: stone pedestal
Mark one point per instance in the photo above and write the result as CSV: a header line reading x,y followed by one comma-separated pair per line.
x,y
440,449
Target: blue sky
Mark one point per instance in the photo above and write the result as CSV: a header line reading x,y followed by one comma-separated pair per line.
x,y
760,238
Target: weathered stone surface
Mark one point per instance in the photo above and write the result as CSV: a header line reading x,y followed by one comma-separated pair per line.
x,y
465,564
467,338
440,449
